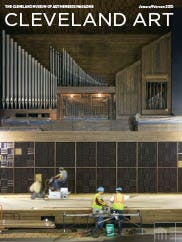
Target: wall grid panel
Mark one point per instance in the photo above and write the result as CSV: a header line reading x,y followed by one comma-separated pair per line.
x,y
136,166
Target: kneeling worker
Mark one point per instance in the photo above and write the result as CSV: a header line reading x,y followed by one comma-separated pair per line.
x,y
117,201
98,207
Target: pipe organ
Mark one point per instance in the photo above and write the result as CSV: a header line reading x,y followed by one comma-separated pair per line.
x,y
26,84
69,73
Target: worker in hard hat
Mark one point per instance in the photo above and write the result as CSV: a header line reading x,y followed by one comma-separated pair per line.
x,y
117,201
98,206
60,180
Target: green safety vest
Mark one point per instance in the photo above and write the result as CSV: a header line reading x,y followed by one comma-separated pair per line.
x,y
118,203
94,204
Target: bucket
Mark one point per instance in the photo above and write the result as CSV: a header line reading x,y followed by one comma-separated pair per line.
x,y
110,230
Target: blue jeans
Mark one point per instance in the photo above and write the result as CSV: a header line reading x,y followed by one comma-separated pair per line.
x,y
57,184
119,219
100,222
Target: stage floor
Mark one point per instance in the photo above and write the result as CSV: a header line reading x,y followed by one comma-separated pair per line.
x,y
84,202
154,207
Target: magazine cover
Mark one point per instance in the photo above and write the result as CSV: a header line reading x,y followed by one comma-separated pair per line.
x,y
91,119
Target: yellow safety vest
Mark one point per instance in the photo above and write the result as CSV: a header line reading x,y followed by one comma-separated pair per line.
x,y
94,204
118,203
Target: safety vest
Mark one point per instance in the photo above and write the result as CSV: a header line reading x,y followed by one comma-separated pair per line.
x,y
118,203
94,204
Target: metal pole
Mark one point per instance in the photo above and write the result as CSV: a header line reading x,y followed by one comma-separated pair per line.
x,y
23,78
19,77
26,79
29,81
36,87
7,70
15,74
3,69
11,74
38,84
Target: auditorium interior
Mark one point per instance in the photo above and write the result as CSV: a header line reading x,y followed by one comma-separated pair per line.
x,y
105,103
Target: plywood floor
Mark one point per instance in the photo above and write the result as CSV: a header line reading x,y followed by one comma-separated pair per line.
x,y
84,201
154,207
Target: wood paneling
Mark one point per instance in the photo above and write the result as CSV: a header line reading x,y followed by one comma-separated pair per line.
x,y
167,180
128,82
26,156
156,57
147,180
106,154
147,154
106,177
126,178
91,136
44,154
137,166
85,154
65,154
167,154
6,180
86,180
23,178
156,66
180,180
126,155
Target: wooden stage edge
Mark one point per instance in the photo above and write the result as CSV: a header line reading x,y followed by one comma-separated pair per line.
x,y
153,207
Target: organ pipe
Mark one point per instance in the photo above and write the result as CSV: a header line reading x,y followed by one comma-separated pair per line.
x,y
68,72
26,84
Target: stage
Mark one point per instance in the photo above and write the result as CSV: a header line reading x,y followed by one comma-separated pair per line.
x,y
153,207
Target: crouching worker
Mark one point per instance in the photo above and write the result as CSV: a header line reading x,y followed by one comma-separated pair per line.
x,y
98,206
36,187
60,180
117,201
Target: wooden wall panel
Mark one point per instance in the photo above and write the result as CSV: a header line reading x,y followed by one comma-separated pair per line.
x,y
167,180
126,155
180,180
23,178
44,154
106,177
156,66
147,180
106,154
6,180
126,178
86,154
167,154
128,82
153,61
65,154
136,166
24,154
86,180
147,154
90,136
